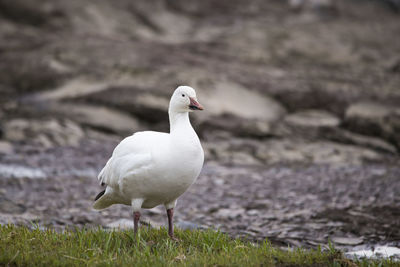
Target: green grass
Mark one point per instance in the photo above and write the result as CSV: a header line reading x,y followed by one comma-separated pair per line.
x,y
20,246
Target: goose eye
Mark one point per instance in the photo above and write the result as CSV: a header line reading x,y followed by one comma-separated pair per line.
x,y
183,95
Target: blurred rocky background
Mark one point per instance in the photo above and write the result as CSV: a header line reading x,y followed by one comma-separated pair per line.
x,y
301,129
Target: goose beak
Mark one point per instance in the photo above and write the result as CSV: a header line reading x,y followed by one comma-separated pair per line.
x,y
194,105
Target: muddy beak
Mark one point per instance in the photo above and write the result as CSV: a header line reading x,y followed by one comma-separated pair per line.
x,y
194,105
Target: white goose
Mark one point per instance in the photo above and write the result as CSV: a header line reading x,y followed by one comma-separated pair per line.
x,y
151,168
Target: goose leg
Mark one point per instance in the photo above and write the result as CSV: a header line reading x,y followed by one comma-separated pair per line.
x,y
170,214
136,217
136,206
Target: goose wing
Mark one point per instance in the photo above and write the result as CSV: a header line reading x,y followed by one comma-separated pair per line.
x,y
133,155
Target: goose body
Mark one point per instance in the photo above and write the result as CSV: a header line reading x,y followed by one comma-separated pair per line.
x,y
152,168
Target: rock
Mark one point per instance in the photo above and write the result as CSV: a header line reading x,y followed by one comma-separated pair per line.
x,y
236,151
14,129
254,115
309,124
27,73
368,111
258,204
238,110
375,119
46,133
230,98
324,8
280,151
152,103
6,147
253,212
349,241
319,152
235,125
121,224
322,125
186,225
128,224
26,12
239,158
296,4
1,126
375,252
151,107
230,213
7,206
312,119
20,171
72,89
393,4
347,137
287,150
102,118
157,210
157,18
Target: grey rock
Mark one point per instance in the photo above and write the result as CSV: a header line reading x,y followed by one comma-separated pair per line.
x,y
121,224
101,118
27,73
238,110
253,212
128,223
351,241
259,204
233,151
236,126
186,225
374,252
230,213
46,133
321,9
312,118
151,107
288,150
309,124
323,125
74,88
9,207
6,147
21,171
343,136
375,119
316,4
230,98
368,111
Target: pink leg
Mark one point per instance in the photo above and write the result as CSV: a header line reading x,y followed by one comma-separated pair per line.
x,y
136,217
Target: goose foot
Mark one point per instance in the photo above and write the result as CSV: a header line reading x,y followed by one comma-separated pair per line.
x,y
173,238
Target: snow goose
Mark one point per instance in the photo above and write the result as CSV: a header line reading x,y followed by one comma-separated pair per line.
x,y
150,168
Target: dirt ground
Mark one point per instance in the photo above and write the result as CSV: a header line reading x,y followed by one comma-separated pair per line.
x,y
290,204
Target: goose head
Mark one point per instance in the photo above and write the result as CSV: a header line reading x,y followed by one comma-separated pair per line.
x,y
184,100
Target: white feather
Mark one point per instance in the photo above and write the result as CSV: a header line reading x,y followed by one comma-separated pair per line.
x,y
152,168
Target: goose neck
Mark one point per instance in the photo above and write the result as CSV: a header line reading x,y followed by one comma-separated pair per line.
x,y
179,121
